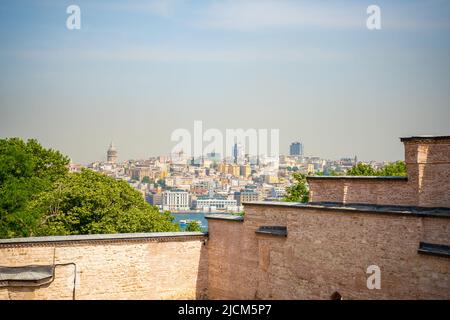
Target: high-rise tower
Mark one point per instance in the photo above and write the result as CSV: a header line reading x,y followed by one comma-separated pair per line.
x,y
296,149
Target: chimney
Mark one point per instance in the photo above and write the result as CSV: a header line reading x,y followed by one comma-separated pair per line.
x,y
428,165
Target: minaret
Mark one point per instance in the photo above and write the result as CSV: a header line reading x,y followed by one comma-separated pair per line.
x,y
111,155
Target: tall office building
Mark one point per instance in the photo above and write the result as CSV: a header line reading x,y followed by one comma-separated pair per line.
x,y
296,149
236,152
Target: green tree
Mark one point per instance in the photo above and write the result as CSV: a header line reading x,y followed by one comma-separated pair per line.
x,y
147,179
393,169
299,191
26,170
193,226
397,169
362,169
333,173
161,183
90,202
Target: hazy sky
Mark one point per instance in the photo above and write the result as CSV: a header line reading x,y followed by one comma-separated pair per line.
x,y
137,70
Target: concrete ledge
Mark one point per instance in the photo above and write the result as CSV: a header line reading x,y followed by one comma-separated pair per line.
x,y
360,208
425,138
440,250
222,216
365,178
153,236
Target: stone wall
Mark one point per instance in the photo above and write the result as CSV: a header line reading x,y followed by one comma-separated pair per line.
x,y
134,266
326,251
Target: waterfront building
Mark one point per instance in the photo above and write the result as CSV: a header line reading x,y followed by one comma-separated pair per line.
x,y
154,199
216,203
247,195
175,200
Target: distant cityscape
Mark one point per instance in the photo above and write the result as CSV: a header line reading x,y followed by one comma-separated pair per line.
x,y
179,183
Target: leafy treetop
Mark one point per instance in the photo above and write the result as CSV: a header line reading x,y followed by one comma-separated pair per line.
x,y
298,192
38,196
193,226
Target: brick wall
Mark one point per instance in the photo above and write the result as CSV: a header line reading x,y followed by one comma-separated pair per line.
x,y
154,267
326,251
362,190
427,184
428,163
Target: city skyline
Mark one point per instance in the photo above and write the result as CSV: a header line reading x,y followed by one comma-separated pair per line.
x,y
139,70
217,155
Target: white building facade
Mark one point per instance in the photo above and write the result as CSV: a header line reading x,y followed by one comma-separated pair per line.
x,y
175,200
217,204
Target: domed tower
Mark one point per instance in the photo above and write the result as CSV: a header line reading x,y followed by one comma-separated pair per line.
x,y
111,154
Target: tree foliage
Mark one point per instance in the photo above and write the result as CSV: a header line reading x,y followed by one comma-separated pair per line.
x,y
90,202
397,169
193,226
299,191
38,196
362,169
26,170
161,183
393,169
147,179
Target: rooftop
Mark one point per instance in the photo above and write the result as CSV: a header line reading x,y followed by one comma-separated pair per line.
x,y
224,216
391,178
425,138
361,208
104,237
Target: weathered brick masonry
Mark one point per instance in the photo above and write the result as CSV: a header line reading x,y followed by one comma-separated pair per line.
x,y
400,224
133,266
327,250
427,184
279,251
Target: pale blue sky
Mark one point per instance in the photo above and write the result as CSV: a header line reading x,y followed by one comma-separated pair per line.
x,y
137,70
